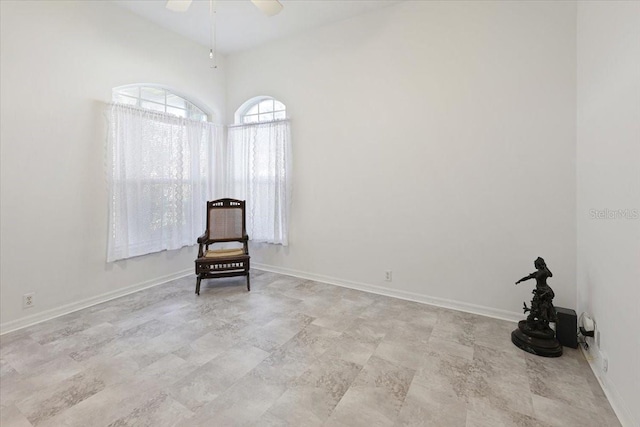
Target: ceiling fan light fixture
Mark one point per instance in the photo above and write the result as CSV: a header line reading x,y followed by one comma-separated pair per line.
x,y
268,7
178,5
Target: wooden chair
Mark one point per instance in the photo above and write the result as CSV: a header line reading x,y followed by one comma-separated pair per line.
x,y
226,222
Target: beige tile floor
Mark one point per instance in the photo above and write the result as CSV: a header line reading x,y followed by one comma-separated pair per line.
x,y
289,353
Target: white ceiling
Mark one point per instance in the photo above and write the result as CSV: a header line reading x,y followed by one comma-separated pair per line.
x,y
241,25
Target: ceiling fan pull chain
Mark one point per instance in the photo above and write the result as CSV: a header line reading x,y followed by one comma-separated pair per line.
x,y
212,51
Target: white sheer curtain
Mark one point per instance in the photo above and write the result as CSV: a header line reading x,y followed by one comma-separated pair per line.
x,y
259,171
160,172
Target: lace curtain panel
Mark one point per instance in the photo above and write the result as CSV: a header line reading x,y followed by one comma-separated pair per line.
x,y
160,173
259,171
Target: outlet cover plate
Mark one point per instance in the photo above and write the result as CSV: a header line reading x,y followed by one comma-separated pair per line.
x,y
28,300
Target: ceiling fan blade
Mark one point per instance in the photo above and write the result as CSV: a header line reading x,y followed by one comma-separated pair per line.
x,y
268,7
178,5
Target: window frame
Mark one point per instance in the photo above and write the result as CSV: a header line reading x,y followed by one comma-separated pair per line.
x,y
244,110
192,110
277,168
147,237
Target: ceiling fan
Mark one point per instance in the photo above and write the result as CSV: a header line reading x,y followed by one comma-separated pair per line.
x,y
268,7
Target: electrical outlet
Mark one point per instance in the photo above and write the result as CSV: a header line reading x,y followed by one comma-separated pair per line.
x,y
387,275
28,300
598,338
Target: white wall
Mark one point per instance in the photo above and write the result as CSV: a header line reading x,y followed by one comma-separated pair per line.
x,y
609,178
59,62
434,139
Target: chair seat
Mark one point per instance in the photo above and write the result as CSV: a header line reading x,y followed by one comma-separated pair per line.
x,y
223,253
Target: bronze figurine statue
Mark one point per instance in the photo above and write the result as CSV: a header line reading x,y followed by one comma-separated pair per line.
x,y
542,311
534,335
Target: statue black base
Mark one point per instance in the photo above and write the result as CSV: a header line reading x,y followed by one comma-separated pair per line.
x,y
538,342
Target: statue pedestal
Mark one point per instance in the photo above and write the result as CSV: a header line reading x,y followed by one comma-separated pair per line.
x,y
539,342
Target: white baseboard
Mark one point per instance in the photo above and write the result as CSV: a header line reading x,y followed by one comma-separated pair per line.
x,y
594,358
410,296
396,293
23,322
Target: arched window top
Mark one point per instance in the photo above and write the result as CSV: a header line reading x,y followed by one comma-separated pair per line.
x,y
261,109
157,98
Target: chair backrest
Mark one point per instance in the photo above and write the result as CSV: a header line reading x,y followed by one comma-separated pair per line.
x,y
226,219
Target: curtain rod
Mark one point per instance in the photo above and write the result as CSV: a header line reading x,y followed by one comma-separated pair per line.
x,y
160,113
258,123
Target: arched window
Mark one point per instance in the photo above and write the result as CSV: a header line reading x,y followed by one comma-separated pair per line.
x,y
158,99
261,109
259,159
160,170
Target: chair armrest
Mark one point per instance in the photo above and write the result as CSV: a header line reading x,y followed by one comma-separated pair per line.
x,y
202,240
245,244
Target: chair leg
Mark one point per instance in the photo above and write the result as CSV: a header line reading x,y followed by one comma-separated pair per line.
x,y
198,285
248,283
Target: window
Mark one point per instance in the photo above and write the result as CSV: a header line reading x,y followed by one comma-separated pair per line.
x,y
158,99
260,110
160,166
259,150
